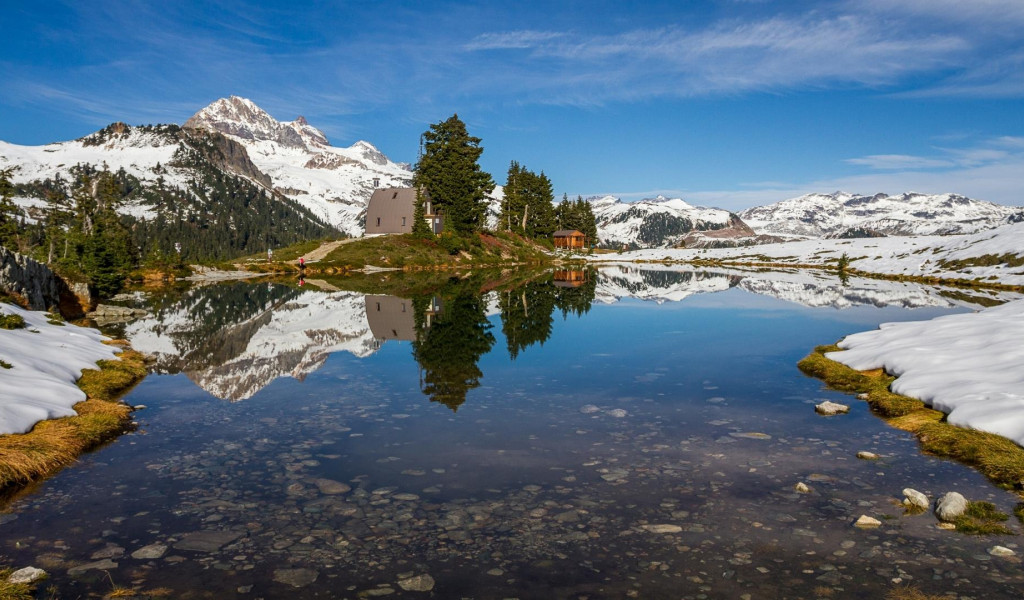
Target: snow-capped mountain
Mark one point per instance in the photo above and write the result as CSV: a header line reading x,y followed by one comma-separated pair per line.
x,y
333,183
664,222
850,215
193,186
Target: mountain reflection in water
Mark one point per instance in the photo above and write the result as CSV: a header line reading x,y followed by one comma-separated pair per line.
x,y
235,339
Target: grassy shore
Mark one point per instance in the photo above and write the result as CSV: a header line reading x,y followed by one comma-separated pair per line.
x,y
409,253
56,443
996,457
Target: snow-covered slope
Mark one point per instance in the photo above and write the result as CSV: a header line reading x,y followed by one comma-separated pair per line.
x,y
661,222
966,365
334,183
43,362
850,215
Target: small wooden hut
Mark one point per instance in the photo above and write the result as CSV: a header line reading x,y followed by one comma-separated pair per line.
x,y
570,239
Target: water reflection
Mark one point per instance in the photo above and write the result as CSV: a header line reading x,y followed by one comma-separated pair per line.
x,y
235,339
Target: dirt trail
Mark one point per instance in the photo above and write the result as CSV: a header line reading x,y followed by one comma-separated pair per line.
x,y
324,249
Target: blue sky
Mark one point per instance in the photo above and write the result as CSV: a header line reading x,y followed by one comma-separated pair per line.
x,y
728,103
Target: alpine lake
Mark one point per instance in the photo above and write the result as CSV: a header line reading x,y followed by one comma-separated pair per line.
x,y
625,431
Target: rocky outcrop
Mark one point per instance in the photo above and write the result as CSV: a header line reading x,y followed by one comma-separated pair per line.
x,y
39,287
228,155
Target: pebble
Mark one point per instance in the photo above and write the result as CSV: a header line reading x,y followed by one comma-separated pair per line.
x,y
802,488
589,409
865,455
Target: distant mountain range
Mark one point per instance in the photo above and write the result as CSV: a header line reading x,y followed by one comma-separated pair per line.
x,y
190,176
851,215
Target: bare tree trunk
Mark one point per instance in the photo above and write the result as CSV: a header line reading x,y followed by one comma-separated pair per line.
x,y
526,211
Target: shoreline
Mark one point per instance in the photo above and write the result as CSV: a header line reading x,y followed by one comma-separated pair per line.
x,y
998,458
52,444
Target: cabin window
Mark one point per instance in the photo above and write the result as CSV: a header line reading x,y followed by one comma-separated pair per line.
x,y
403,221
378,221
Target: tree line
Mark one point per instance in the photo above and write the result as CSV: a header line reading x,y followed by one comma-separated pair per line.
x,y
449,177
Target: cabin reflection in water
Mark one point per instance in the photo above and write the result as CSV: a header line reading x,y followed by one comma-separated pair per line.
x,y
567,278
394,319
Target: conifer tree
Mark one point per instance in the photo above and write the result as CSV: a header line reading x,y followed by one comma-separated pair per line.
x,y
450,175
9,213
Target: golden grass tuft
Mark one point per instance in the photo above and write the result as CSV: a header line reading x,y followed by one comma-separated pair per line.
x,y
54,444
13,591
996,457
908,592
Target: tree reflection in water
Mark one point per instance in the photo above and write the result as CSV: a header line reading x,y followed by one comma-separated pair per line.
x,y
450,342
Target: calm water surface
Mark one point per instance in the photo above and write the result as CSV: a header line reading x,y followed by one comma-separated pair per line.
x,y
622,433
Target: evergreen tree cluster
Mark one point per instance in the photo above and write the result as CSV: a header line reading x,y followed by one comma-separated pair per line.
x,y
527,208
579,215
451,178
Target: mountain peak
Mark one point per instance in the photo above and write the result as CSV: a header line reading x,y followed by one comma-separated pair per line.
x,y
244,119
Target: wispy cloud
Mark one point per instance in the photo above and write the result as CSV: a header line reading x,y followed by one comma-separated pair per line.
x,y
899,161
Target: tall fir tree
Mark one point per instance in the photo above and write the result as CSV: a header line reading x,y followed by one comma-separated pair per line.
x,y
448,172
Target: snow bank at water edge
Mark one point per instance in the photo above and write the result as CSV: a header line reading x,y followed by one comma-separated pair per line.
x,y
45,362
970,366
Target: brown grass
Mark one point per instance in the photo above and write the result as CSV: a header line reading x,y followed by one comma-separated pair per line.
x,y
996,457
54,444
13,591
908,592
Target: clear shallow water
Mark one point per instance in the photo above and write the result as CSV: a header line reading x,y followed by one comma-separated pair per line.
x,y
301,444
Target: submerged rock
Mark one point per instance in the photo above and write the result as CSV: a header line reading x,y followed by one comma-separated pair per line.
x,y
829,408
296,577
865,455
950,506
663,528
802,488
1001,551
419,583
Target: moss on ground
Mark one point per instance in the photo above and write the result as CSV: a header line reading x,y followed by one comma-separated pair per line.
x,y
982,518
996,457
54,444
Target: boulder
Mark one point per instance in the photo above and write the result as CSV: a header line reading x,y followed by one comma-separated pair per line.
x,y
950,506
